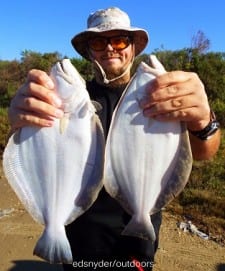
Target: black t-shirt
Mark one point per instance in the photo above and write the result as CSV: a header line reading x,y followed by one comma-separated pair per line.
x,y
97,233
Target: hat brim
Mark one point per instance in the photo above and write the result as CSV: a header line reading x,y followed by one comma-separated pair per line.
x,y
79,41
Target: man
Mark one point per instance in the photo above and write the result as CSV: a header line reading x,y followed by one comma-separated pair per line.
x,y
112,44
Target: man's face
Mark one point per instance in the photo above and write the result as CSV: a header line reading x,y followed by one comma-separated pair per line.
x,y
109,52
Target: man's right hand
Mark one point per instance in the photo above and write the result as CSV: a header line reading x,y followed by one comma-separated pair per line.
x,y
35,102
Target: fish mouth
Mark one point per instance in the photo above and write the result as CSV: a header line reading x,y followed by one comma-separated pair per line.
x,y
63,69
62,66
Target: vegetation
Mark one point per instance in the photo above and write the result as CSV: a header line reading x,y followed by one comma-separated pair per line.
x,y
203,199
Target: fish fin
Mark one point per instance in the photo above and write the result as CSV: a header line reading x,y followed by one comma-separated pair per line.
x,y
54,247
97,106
142,229
85,108
63,123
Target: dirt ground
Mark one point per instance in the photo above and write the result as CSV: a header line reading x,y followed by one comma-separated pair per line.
x,y
178,251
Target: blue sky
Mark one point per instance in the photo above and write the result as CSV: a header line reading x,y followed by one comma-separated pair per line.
x,y
48,25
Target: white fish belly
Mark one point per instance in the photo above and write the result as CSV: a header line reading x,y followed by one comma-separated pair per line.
x,y
141,155
57,172
51,174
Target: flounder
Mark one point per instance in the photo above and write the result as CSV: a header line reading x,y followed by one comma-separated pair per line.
x,y
147,162
57,172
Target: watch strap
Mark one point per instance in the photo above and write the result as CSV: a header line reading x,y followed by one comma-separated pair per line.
x,y
209,130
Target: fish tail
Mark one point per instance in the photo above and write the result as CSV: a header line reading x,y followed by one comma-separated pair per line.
x,y
54,247
140,228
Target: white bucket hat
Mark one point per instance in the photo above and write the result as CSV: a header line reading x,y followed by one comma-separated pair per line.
x,y
105,20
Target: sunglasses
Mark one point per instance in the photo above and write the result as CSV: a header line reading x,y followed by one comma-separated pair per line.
x,y
117,42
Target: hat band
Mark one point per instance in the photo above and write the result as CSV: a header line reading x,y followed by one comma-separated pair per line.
x,y
109,22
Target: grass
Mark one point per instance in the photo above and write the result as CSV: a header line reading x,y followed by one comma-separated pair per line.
x,y
203,199
4,129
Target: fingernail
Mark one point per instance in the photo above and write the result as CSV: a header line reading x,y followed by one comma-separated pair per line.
x,y
49,123
57,101
59,113
49,84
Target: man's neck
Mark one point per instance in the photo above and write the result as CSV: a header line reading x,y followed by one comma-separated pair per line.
x,y
116,83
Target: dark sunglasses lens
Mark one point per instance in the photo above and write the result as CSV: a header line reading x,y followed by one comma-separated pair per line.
x,y
118,43
98,44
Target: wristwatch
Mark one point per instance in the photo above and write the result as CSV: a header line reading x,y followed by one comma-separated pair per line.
x,y
209,130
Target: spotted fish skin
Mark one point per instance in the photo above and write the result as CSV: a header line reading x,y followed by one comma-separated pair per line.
x,y
57,171
147,162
